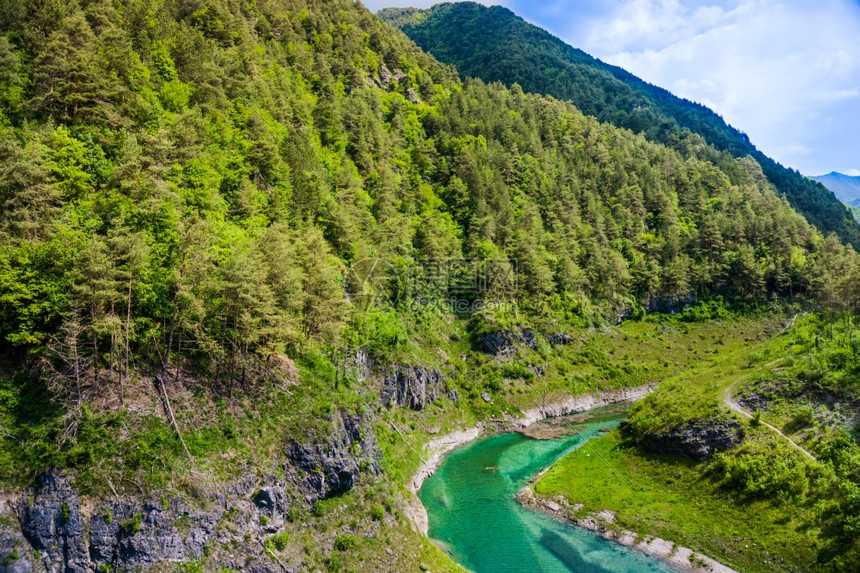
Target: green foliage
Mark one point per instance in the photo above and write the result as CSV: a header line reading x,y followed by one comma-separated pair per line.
x,y
345,542
377,512
132,525
704,310
675,498
761,472
278,541
188,195
495,45
755,422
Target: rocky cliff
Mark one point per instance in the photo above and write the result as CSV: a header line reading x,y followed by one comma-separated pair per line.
x,y
334,459
697,439
503,343
412,387
59,530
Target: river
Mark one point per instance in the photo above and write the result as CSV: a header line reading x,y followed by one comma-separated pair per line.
x,y
474,515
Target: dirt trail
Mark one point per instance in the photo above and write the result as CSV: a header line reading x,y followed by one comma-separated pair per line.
x,y
730,402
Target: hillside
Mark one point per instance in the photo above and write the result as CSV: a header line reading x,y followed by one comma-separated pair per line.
x,y
779,490
494,44
845,187
254,255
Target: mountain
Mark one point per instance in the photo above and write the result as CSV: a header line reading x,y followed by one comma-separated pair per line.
x,y
845,187
255,255
494,44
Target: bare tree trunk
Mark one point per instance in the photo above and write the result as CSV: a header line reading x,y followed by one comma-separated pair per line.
x,y
179,358
127,342
160,381
95,355
76,357
172,327
232,363
110,358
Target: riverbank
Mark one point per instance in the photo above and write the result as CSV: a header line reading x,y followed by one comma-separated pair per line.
x,y
435,450
682,558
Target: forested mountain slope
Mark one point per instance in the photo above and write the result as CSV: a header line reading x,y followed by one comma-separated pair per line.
x,y
213,171
496,45
189,196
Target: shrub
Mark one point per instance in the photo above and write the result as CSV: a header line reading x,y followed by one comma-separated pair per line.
x,y
756,419
132,525
278,541
345,542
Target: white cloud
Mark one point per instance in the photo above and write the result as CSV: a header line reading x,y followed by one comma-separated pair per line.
x,y
774,69
853,172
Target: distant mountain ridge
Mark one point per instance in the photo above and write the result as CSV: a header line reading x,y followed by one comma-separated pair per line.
x,y
495,44
845,187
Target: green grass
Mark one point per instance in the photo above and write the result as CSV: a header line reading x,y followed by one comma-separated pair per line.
x,y
760,507
677,499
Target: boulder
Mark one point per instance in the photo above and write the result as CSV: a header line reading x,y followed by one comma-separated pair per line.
x,y
500,343
559,339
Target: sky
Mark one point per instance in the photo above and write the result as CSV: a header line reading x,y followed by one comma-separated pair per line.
x,y
787,73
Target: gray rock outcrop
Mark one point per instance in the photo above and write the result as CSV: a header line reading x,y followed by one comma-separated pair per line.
x,y
68,534
559,338
54,525
119,535
412,387
331,463
697,439
500,343
504,343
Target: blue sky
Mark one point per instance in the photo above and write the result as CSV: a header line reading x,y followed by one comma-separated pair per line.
x,y
785,72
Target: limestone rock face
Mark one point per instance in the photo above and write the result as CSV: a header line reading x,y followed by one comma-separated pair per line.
x,y
504,343
332,463
412,387
500,343
54,525
559,338
66,533
697,439
121,532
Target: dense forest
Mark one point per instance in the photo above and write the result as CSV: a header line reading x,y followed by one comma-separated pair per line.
x,y
190,192
494,44
213,186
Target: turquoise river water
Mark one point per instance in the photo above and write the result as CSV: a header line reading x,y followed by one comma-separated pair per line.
x,y
474,515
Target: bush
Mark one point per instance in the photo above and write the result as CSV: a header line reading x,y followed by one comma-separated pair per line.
x,y
279,541
133,525
702,311
345,542
756,419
